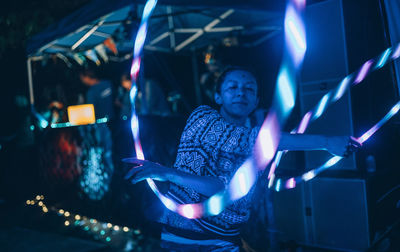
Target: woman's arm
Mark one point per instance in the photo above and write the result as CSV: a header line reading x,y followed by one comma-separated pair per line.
x,y
204,185
336,145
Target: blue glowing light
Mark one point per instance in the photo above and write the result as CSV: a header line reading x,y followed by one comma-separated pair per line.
x,y
394,110
43,123
295,35
278,185
215,204
102,232
95,178
384,58
108,239
321,106
286,90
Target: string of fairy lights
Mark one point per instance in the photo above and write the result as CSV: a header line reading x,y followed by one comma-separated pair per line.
x,y
101,231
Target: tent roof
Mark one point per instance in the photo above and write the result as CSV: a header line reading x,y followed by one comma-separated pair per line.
x,y
99,19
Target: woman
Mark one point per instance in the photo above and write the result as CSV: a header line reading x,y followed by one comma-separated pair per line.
x,y
213,145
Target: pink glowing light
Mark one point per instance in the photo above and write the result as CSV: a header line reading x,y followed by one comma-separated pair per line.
x,y
364,71
300,3
190,211
135,68
290,183
304,123
396,53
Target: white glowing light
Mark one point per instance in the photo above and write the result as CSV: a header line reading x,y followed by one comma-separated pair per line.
x,y
332,161
266,143
242,181
285,91
308,176
371,131
168,203
295,35
148,8
140,38
321,106
43,124
188,211
271,181
342,88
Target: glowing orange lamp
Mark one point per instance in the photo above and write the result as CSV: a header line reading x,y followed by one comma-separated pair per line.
x,y
81,114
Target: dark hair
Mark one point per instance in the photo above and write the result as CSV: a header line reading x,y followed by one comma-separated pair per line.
x,y
90,72
227,70
126,76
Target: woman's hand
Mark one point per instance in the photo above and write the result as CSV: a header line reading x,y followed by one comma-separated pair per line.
x,y
342,145
144,169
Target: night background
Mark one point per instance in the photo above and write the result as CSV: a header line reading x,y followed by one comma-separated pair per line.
x,y
352,207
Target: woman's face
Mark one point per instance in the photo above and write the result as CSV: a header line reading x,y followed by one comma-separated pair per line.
x,y
238,95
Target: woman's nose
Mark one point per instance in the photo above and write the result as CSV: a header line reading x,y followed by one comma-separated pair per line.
x,y
240,91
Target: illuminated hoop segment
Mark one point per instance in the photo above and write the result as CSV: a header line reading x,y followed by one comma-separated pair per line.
x,y
333,96
292,182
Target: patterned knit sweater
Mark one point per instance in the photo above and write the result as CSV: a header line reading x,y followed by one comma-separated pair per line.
x,y
210,146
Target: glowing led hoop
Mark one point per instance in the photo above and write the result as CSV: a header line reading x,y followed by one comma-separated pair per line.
x,y
283,102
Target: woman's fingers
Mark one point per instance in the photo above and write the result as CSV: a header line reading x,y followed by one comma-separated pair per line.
x,y
133,172
352,146
134,161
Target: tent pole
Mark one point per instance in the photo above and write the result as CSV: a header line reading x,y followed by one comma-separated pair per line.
x,y
196,78
30,81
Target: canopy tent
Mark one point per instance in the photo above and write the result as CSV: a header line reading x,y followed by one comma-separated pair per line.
x,y
173,28
176,26
100,19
